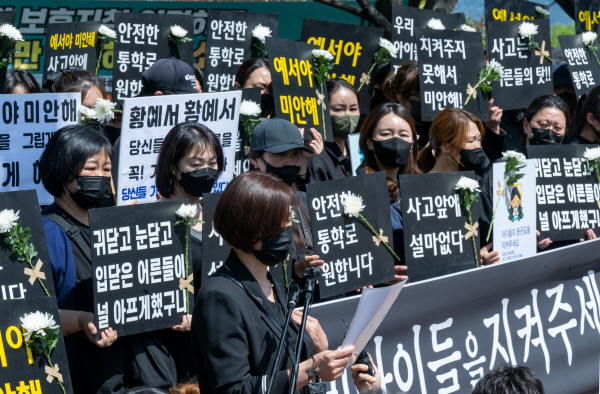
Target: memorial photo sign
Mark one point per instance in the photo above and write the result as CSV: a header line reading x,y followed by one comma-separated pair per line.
x,y
354,257
142,39
583,67
567,193
146,122
139,267
27,123
352,47
527,73
298,96
437,231
511,10
587,15
229,43
449,65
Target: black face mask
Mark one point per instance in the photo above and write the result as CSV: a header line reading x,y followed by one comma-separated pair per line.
x,y
393,152
195,183
415,110
276,249
93,192
544,137
288,174
474,160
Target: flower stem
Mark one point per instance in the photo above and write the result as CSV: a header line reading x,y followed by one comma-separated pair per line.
x,y
369,73
100,57
187,292
494,214
473,238
47,357
323,115
596,56
377,235
474,90
38,279
22,250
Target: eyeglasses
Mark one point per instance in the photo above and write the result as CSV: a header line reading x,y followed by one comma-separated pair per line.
x,y
545,124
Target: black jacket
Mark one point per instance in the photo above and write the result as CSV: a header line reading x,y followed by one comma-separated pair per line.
x,y
235,342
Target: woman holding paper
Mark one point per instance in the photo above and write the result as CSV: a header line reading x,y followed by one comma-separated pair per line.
x,y
238,312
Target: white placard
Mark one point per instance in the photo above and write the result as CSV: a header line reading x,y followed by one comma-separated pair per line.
x,y
356,156
146,122
514,223
27,122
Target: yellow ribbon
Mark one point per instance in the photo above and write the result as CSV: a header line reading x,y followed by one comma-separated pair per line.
x,y
542,53
320,97
365,78
380,238
187,283
36,272
500,191
471,91
53,373
472,230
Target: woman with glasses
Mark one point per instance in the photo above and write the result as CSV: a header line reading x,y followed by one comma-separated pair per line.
x,y
545,122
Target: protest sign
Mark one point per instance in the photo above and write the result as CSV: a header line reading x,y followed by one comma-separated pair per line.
x,y
515,219
583,66
141,279
242,145
567,193
352,48
356,156
142,39
439,239
146,122
527,73
8,17
354,256
229,43
512,10
299,98
406,19
27,123
449,67
587,15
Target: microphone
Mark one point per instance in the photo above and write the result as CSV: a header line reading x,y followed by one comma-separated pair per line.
x,y
363,358
293,295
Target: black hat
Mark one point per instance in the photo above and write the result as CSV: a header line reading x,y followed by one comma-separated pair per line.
x,y
277,135
169,74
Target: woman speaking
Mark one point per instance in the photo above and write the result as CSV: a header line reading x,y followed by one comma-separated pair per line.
x,y
240,310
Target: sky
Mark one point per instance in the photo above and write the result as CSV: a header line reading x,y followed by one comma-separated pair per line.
x,y
474,8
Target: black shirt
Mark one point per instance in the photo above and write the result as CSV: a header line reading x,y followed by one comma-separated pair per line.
x,y
329,164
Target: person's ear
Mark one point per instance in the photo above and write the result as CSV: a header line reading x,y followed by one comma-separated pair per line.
x,y
590,118
236,86
158,93
526,127
370,143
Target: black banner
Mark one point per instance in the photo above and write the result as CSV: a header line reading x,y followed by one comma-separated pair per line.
x,y
406,20
138,257
583,66
587,15
229,43
511,10
567,194
142,39
299,98
449,64
242,145
437,233
444,334
352,47
71,45
527,74
353,256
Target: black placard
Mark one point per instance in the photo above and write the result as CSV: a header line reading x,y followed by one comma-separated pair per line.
x,y
450,61
435,225
353,256
587,15
567,194
138,258
70,45
229,43
511,10
527,74
352,47
583,66
142,39
8,17
242,146
406,20
298,97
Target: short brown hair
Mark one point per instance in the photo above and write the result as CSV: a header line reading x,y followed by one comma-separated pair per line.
x,y
254,207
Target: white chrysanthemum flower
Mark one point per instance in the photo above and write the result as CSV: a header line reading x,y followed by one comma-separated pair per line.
x,y
467,184
466,27
261,32
104,110
321,53
497,67
178,31
187,211
388,46
249,108
527,30
521,159
107,31
11,32
8,218
37,323
353,205
541,10
436,24
591,154
588,37
87,112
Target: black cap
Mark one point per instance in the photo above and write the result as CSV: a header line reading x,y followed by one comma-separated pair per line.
x,y
169,74
277,135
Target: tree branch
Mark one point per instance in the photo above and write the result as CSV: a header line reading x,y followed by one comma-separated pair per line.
x,y
376,17
342,6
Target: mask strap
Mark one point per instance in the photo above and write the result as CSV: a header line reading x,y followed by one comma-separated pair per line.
x,y
457,161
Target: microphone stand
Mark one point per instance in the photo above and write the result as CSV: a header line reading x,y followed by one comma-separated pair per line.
x,y
310,274
293,294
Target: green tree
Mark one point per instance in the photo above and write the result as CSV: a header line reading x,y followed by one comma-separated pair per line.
x,y
558,29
